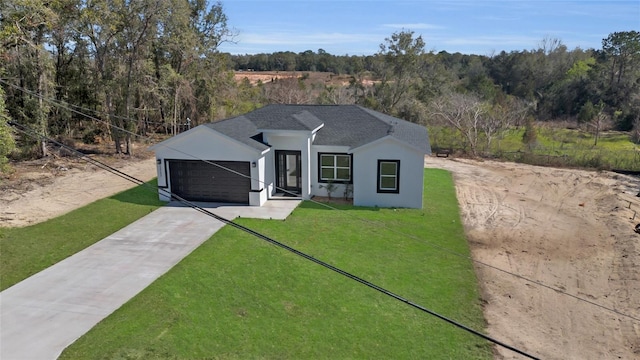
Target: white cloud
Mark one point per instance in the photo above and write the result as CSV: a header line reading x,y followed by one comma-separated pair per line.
x,y
421,26
291,38
498,40
495,18
334,43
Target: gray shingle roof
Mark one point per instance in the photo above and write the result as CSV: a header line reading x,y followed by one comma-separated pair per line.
x,y
284,117
241,129
344,125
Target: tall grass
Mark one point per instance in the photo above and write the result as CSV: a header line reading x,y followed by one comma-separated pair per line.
x,y
554,147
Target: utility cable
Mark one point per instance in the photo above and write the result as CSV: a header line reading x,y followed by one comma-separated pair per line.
x,y
479,262
305,256
141,136
384,226
23,129
64,105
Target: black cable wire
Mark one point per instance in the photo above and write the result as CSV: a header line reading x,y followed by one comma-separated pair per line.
x,y
272,241
23,129
441,248
521,277
65,104
107,123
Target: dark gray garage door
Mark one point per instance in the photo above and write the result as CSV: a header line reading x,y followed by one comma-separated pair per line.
x,y
200,181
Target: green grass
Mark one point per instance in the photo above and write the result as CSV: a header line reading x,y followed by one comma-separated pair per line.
x,y
28,250
554,147
573,148
238,297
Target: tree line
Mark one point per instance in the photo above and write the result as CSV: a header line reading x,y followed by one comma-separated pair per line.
x,y
110,69
131,64
560,83
479,96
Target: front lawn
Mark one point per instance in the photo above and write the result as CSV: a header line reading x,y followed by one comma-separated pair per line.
x,y
28,250
238,297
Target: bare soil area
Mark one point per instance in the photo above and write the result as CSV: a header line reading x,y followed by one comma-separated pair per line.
x,y
264,77
43,189
568,229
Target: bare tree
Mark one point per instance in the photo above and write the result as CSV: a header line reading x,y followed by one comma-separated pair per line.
x,y
599,122
288,91
336,95
549,44
465,113
499,117
635,134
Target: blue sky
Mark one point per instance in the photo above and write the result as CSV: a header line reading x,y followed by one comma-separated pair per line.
x,y
358,27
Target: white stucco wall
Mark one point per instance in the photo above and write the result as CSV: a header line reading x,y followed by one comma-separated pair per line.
x,y
269,173
318,188
365,175
202,143
292,141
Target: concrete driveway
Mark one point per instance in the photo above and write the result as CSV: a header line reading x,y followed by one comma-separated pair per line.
x,y
45,313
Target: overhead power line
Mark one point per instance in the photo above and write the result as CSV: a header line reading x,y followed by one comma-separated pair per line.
x,y
272,241
381,225
107,123
521,277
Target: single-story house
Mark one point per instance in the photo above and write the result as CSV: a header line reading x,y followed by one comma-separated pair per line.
x,y
300,150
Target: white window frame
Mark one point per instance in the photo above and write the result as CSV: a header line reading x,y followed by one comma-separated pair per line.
x,y
396,176
335,168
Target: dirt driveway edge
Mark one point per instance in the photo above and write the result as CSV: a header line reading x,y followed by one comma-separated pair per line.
x,y
47,191
569,229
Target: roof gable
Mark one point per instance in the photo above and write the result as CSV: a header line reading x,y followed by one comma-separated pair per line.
x,y
413,134
340,125
284,117
384,139
241,129
253,144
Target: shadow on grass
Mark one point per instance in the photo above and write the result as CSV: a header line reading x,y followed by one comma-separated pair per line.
x,y
332,206
146,194
31,249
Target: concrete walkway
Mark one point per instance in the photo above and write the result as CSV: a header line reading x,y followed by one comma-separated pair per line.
x,y
45,313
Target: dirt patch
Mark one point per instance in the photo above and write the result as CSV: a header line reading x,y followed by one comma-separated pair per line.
x,y
264,77
43,189
569,229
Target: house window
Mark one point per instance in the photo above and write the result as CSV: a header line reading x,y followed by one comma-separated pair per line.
x,y
389,176
334,167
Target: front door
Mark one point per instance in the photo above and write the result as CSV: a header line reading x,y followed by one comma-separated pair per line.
x,y
288,170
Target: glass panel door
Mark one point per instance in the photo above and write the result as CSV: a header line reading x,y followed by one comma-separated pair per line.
x,y
288,171
293,171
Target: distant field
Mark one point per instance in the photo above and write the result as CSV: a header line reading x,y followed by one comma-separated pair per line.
x,y
327,78
554,147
